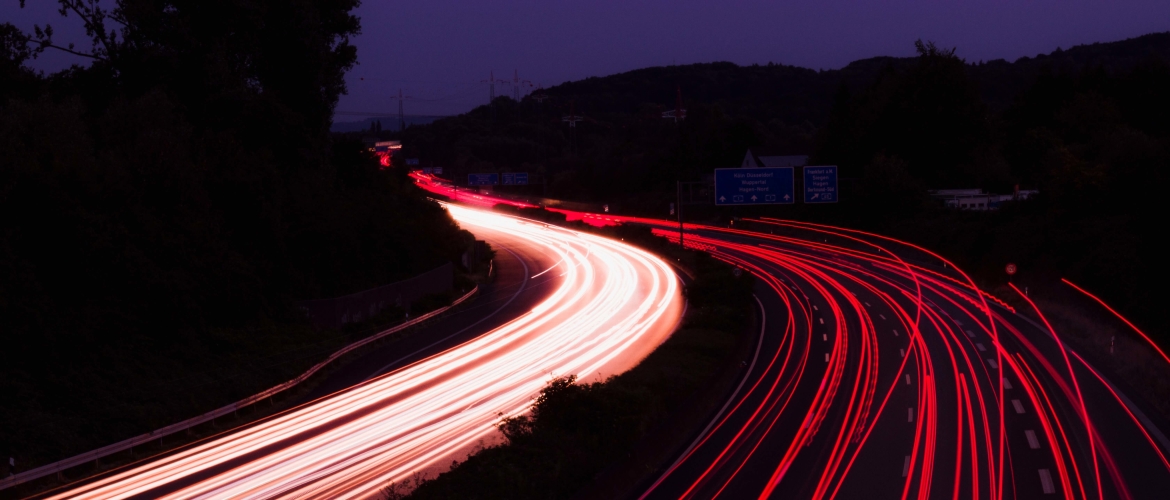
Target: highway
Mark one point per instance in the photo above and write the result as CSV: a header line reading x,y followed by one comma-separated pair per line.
x,y
608,307
883,373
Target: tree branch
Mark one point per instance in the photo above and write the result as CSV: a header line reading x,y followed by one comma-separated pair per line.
x,y
71,51
94,21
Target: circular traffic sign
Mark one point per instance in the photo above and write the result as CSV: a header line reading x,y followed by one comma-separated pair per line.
x,y
1011,269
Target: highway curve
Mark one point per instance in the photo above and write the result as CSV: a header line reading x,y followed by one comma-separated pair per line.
x,y
883,373
611,306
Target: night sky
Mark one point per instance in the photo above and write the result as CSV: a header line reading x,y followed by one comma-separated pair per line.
x,y
438,51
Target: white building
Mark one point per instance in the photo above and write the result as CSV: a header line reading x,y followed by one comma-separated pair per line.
x,y
976,199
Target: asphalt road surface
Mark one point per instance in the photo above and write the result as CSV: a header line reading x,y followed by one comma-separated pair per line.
x,y
882,373
608,307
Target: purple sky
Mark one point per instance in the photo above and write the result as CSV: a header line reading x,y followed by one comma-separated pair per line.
x,y
438,51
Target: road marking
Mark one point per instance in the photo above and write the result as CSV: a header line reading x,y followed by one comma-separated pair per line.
x,y
957,322
549,269
1033,443
883,316
1046,482
992,363
826,357
826,336
1018,406
902,352
895,333
815,308
867,304
907,379
822,320
906,466
909,414
980,347
970,333
1007,384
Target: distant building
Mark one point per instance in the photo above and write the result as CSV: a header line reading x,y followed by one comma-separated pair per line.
x,y
756,158
976,199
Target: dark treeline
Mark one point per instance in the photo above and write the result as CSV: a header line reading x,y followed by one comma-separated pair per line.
x,y
162,208
1085,126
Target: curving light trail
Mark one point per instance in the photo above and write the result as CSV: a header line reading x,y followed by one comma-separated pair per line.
x,y
889,374
928,386
612,305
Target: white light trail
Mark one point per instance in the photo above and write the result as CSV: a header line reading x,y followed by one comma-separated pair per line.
x,y
611,307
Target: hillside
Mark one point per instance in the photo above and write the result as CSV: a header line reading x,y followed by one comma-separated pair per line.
x,y
1081,124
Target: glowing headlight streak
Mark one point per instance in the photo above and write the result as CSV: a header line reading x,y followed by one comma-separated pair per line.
x,y
915,295
612,305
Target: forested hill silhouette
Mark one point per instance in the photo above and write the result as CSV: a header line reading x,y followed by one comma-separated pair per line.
x,y
731,107
1085,126
162,209
794,94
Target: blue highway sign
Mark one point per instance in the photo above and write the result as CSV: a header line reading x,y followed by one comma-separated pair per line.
x,y
754,186
483,179
820,184
515,178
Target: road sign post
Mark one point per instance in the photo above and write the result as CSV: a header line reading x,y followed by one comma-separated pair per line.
x,y
820,184
754,186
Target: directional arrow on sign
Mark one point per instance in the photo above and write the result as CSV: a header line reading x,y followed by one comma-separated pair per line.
x,y
722,199
754,198
785,197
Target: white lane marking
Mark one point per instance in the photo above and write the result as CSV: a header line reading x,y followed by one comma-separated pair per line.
x,y
1046,482
907,379
750,368
909,414
902,353
1033,443
815,308
549,269
826,336
883,316
992,363
957,322
970,333
826,357
867,304
822,320
1018,406
980,347
895,333
1007,384
906,466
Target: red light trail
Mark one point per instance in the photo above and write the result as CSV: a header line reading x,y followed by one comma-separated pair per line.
x,y
871,325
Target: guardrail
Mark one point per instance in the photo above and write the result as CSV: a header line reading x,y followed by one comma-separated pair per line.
x,y
90,456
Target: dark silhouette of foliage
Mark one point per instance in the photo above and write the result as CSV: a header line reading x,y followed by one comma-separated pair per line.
x,y
576,431
1083,125
162,209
